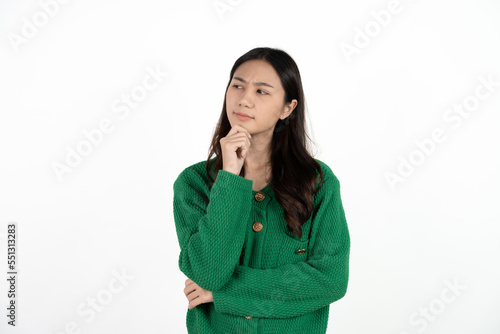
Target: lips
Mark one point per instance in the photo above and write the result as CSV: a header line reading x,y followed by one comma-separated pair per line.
x,y
243,114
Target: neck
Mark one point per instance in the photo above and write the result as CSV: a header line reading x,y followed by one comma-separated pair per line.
x,y
259,156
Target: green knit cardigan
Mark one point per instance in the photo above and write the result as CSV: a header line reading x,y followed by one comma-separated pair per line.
x,y
235,242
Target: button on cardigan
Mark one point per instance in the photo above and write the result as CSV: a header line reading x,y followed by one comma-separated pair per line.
x,y
234,241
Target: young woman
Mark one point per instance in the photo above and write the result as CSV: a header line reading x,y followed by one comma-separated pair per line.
x,y
261,227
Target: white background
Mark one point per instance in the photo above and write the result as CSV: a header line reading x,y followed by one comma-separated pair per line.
x,y
113,211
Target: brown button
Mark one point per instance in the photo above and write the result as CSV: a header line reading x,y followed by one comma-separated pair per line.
x,y
259,197
249,317
257,226
301,251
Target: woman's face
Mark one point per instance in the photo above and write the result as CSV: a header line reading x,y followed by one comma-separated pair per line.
x,y
255,89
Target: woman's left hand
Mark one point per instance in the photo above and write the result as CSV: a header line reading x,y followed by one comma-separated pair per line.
x,y
196,295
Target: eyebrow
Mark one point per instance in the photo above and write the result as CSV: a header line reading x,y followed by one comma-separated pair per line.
x,y
255,83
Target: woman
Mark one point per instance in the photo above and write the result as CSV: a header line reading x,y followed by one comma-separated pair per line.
x,y
262,230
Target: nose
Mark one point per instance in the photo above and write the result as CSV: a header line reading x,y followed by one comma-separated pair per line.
x,y
245,99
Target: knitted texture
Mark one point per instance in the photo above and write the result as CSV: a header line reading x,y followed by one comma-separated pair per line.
x,y
235,242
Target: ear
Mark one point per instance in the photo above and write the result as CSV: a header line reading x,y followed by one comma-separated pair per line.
x,y
287,110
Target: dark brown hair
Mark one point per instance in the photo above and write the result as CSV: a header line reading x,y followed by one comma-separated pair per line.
x,y
294,170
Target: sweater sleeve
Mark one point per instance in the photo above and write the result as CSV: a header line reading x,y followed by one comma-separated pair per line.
x,y
298,288
210,230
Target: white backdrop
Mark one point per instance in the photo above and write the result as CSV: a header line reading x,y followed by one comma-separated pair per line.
x,y
104,103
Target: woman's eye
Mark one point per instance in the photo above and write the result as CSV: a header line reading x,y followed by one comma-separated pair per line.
x,y
262,92
236,86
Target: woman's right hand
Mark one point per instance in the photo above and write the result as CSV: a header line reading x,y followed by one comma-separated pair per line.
x,y
234,148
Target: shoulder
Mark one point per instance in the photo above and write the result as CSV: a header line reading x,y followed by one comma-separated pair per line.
x,y
193,175
330,186
327,172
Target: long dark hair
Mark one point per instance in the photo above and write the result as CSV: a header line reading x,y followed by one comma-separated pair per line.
x,y
294,170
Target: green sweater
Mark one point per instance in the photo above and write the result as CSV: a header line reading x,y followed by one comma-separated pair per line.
x,y
235,242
